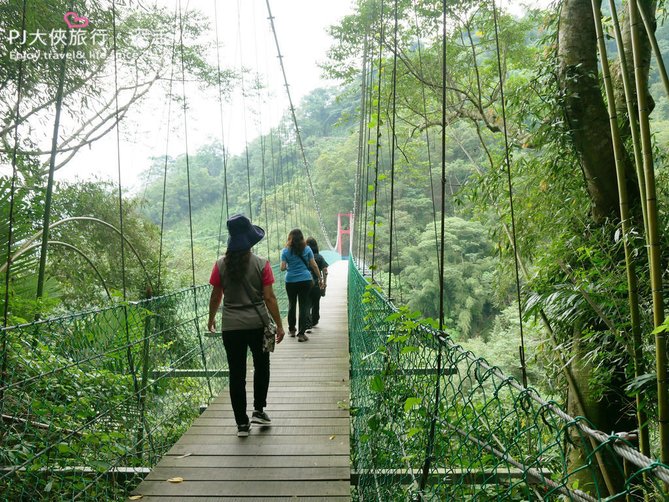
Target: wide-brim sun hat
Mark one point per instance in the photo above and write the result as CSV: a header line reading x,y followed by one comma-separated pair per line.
x,y
242,233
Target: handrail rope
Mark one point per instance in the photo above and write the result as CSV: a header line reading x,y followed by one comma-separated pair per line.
x,y
99,415
442,242
427,133
507,158
617,443
77,315
393,143
12,197
27,242
80,253
224,199
297,129
243,91
167,142
190,204
378,137
52,167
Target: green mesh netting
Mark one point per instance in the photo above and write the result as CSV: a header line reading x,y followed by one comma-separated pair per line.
x,y
90,401
483,437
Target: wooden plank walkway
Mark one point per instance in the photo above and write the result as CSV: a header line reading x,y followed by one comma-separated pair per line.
x,y
304,454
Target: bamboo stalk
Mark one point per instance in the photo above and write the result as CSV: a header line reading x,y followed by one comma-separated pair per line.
x,y
653,241
625,221
631,113
662,70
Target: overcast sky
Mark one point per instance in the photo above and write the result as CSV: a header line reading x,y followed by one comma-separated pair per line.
x,y
246,39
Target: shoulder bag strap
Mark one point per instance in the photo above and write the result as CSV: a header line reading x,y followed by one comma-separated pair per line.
x,y
306,265
248,292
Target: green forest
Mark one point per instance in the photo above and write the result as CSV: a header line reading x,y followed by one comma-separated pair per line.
x,y
527,154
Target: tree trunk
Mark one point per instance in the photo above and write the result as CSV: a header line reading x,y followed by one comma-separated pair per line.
x,y
584,107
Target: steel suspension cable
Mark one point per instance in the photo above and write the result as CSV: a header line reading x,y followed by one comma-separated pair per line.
x,y
368,162
10,223
507,160
393,140
378,138
126,323
224,200
427,136
433,423
188,187
290,216
263,187
243,89
167,143
187,154
300,193
118,150
361,142
276,184
283,185
270,134
297,129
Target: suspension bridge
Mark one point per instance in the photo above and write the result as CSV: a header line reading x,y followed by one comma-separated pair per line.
x,y
129,401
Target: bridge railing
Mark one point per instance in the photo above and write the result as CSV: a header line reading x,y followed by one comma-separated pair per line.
x,y
91,401
431,421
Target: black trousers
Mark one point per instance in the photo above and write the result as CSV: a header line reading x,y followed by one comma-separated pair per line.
x,y
298,291
236,343
315,299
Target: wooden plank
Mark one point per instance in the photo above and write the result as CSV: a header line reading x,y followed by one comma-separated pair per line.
x,y
261,462
302,399
297,422
279,416
246,474
263,440
288,430
150,498
250,447
311,488
280,407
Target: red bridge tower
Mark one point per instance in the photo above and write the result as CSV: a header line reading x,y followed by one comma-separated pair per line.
x,y
344,234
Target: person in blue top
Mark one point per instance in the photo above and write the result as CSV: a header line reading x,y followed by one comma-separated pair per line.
x,y
298,259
